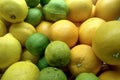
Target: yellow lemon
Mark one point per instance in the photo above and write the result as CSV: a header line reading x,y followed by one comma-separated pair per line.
x,y
13,10
79,10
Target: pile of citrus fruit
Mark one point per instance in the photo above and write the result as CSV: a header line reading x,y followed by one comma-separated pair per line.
x,y
59,39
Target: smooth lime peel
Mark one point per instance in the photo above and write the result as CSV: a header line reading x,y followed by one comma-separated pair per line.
x,y
37,43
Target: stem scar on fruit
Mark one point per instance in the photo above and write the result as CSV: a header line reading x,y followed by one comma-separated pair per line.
x,y
78,65
13,17
116,55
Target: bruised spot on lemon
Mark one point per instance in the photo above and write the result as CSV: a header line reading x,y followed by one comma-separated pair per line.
x,y
37,43
57,53
106,42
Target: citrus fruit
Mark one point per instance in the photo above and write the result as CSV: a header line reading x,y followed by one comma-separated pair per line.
x,y
86,76
3,28
22,31
44,2
79,10
22,70
10,50
88,28
55,10
108,10
34,16
13,10
57,53
42,63
43,27
83,59
64,30
106,43
32,3
26,55
52,73
109,75
37,43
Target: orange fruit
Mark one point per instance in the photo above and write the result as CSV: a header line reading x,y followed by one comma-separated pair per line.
x,y
110,75
79,10
64,30
43,27
88,28
108,9
83,59
106,42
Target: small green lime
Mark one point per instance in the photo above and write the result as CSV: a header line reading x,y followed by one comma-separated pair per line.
x,y
57,53
32,3
42,63
86,76
36,43
52,73
34,16
44,2
55,10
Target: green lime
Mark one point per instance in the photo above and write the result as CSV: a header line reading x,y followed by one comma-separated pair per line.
x,y
52,73
34,16
32,3
57,54
55,10
42,63
86,76
36,43
44,2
